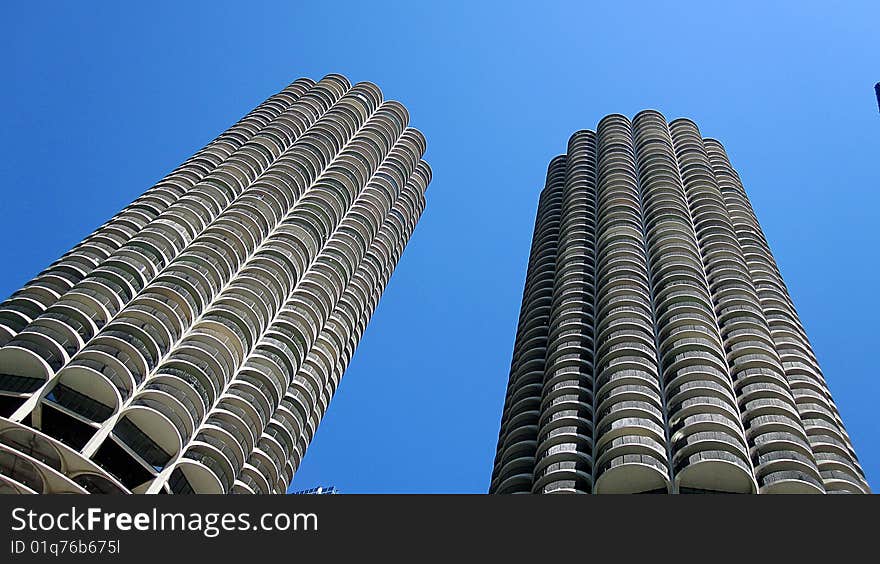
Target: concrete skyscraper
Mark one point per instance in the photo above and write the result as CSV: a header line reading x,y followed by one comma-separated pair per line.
x,y
193,342
658,349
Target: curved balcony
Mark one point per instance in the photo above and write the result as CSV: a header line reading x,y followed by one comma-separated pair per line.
x,y
161,418
564,477
96,395
198,474
627,391
245,405
638,376
240,487
60,468
256,479
790,482
198,360
786,470
836,481
21,470
629,473
264,464
715,471
21,360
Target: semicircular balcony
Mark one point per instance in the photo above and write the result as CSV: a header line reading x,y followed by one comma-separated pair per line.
x,y
836,481
757,389
171,403
265,466
25,361
632,464
515,482
768,406
790,482
803,475
10,486
190,377
84,387
197,472
147,430
219,427
195,358
32,476
640,377
256,479
622,390
715,471
244,403
278,450
234,420
59,457
692,360
565,476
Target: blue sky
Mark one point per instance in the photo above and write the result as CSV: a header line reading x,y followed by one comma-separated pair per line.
x,y
103,99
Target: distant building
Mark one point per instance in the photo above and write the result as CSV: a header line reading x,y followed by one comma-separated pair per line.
x,y
320,490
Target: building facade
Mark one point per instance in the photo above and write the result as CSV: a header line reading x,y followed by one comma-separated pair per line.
x,y
192,343
658,350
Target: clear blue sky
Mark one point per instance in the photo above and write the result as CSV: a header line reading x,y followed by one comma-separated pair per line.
x,y
102,99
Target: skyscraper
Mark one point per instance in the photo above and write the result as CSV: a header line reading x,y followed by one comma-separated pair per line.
x,y
193,342
658,349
